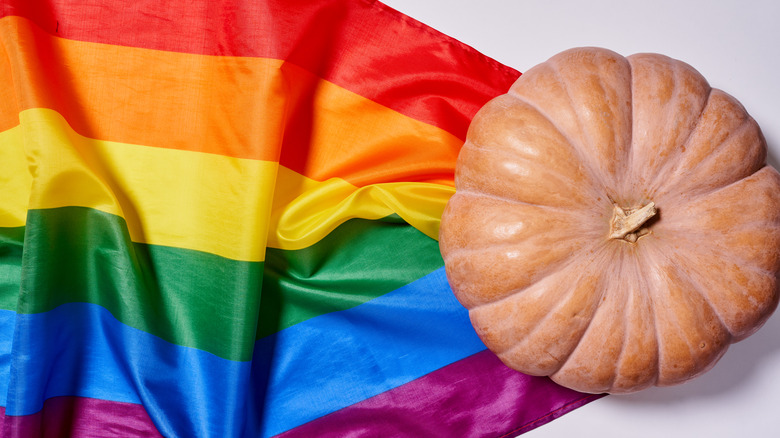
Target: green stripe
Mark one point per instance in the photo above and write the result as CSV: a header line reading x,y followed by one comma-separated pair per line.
x,y
358,261
11,243
200,300
186,297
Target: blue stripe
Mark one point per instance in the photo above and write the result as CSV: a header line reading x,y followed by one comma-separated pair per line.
x,y
301,373
335,360
80,349
7,323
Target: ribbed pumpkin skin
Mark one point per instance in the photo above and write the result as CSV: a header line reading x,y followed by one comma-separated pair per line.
x,y
525,238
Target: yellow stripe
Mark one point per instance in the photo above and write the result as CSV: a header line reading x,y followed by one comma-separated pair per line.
x,y
199,201
304,211
190,200
15,179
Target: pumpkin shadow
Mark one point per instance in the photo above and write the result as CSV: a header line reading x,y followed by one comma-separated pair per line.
x,y
772,158
737,367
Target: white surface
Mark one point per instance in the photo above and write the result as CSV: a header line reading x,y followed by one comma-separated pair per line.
x,y
736,46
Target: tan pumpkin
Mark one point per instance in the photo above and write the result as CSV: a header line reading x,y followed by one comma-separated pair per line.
x,y
614,225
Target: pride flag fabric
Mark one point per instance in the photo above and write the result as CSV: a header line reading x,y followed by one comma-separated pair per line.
x,y
219,219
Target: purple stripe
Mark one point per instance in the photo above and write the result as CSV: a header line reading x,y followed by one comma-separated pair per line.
x,y
80,417
477,397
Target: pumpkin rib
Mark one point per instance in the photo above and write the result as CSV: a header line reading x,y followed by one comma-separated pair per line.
x,y
545,193
754,224
517,142
628,266
700,195
562,371
472,250
561,177
475,145
751,266
579,153
625,183
543,273
636,294
644,286
624,323
499,351
619,176
716,252
514,293
650,265
511,292
733,200
600,256
623,349
741,226
605,250
680,76
584,148
656,184
700,290
547,274
681,172
744,125
477,240
472,192
651,259
531,297
697,366
703,367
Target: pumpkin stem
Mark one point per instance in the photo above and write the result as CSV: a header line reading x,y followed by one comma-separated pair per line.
x,y
626,221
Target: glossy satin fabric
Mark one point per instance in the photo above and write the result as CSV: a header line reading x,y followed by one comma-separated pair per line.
x,y
220,220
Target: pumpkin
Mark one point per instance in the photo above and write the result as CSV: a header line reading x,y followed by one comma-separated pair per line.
x,y
614,225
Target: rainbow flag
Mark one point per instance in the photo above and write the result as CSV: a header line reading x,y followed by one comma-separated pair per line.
x,y
219,219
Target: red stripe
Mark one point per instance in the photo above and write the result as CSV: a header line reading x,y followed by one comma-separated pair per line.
x,y
477,397
77,417
361,45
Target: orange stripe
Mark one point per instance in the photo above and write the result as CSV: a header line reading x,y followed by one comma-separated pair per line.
x,y
9,112
227,106
233,106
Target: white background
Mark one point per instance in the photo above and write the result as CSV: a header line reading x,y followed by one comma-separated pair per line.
x,y
736,46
